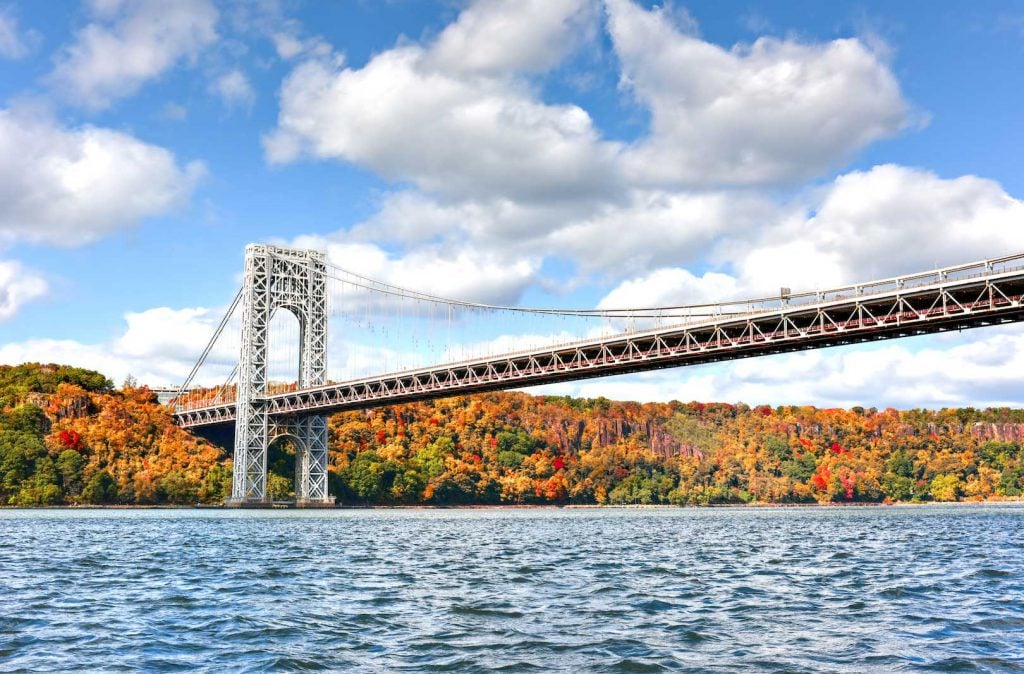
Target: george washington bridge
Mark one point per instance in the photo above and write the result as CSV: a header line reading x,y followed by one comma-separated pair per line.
x,y
266,371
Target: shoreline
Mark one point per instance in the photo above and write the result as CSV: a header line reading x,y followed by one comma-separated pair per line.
x,y
541,506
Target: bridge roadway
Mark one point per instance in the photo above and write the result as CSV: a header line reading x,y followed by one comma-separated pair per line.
x,y
956,298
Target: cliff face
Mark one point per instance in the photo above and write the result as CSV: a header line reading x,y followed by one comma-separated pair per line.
x,y
651,432
998,432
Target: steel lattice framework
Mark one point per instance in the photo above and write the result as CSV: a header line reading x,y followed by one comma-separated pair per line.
x,y
955,298
292,280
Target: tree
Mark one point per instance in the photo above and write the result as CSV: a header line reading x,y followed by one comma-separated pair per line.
x,y
175,487
216,485
101,489
69,465
946,487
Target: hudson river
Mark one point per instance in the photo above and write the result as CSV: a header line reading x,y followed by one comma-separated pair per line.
x,y
758,589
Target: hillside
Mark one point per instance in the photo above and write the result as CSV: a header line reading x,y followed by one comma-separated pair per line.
x,y
68,436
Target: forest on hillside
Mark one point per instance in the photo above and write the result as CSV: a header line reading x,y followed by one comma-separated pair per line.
x,y
68,436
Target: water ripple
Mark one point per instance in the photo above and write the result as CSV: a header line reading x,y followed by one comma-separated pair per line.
x,y
651,590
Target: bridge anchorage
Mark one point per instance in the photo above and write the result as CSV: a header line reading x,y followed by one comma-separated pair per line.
x,y
418,346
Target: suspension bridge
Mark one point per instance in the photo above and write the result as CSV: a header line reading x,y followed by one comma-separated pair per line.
x,y
267,371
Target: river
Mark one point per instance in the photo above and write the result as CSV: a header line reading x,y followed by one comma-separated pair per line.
x,y
619,590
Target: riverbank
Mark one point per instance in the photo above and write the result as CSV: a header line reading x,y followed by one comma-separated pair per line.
x,y
542,506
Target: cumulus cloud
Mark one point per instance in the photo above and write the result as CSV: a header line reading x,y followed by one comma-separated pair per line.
x,y
234,89
68,186
129,43
418,114
501,37
157,346
883,222
652,228
776,110
18,286
493,165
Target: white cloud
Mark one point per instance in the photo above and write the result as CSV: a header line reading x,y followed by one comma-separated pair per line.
x,y
234,89
454,117
500,37
495,167
460,273
978,368
286,34
158,347
669,287
866,225
883,222
463,138
894,219
14,43
776,110
652,228
18,286
130,43
66,186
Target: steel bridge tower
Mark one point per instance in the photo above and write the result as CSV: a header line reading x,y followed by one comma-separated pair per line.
x,y
293,280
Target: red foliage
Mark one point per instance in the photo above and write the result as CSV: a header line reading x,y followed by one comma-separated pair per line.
x,y
806,443
493,441
764,411
434,421
837,448
381,437
559,463
70,439
477,459
820,479
848,484
933,436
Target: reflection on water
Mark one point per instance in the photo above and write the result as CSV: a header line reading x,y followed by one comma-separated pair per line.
x,y
833,589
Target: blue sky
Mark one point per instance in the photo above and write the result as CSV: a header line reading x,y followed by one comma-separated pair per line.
x,y
564,152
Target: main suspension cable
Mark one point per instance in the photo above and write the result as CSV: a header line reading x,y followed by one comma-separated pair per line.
x,y
209,345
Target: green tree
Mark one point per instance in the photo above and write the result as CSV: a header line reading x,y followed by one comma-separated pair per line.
x,y
18,453
177,488
101,489
216,485
899,463
70,464
778,448
800,469
280,487
946,487
366,476
897,487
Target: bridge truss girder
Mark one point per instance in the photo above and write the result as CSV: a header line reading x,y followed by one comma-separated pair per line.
x,y
861,317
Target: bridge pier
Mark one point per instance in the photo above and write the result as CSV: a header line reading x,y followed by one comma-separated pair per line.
x,y
293,280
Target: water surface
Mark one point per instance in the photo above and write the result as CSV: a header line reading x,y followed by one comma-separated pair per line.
x,y
758,589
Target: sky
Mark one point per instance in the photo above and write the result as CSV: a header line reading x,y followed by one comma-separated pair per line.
x,y
561,153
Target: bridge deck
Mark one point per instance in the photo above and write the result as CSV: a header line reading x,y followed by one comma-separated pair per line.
x,y
881,310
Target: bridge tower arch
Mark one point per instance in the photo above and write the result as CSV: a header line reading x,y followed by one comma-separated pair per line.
x,y
295,281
